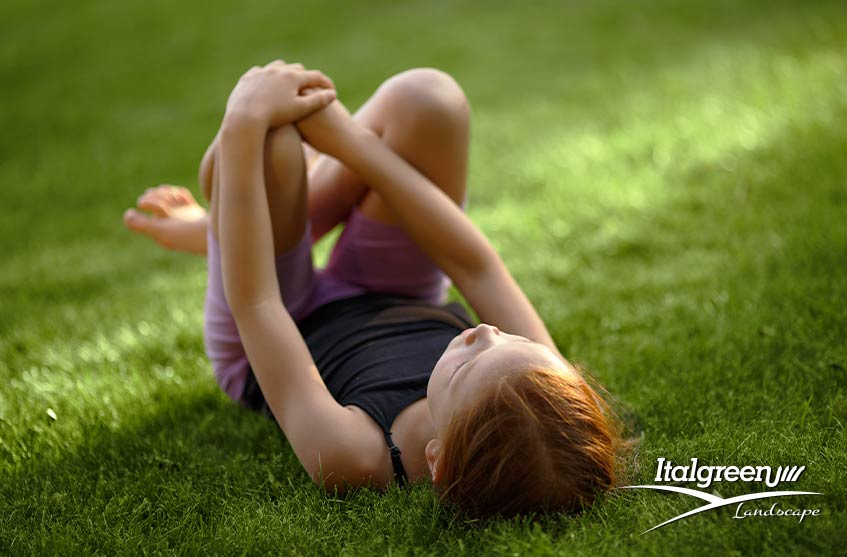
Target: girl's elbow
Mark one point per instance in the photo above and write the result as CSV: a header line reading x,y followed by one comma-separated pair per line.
x,y
338,476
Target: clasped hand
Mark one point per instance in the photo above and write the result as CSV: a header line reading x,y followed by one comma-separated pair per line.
x,y
280,93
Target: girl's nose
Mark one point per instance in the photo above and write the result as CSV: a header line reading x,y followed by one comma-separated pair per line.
x,y
481,331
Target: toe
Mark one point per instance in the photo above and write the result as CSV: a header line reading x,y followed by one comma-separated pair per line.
x,y
171,196
154,203
185,195
136,221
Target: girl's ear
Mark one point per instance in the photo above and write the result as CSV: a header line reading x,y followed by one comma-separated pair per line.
x,y
433,451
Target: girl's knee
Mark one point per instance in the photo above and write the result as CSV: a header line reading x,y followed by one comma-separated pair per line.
x,y
428,95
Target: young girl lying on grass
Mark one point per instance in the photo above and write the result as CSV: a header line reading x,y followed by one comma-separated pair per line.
x,y
371,378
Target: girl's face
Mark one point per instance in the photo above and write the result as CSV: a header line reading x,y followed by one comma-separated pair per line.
x,y
474,360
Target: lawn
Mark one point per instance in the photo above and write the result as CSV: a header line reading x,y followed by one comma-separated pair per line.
x,y
667,180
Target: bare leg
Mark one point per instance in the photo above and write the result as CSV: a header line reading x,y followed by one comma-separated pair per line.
x,y
285,184
172,217
422,114
285,187
425,118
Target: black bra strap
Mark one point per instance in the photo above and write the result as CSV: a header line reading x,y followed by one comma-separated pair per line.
x,y
399,471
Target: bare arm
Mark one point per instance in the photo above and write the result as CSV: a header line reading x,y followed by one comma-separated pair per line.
x,y
432,220
321,432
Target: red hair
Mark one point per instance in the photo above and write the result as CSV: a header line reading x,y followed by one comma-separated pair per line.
x,y
537,441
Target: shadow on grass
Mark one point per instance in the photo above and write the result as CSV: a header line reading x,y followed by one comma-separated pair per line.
x,y
173,439
196,471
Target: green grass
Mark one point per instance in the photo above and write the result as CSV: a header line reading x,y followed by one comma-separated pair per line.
x,y
667,180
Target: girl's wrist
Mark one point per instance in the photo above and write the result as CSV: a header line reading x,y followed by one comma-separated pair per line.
x,y
242,120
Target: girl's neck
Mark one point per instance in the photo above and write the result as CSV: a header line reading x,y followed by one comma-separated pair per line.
x,y
411,431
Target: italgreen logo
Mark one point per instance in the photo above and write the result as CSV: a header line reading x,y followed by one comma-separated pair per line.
x,y
706,475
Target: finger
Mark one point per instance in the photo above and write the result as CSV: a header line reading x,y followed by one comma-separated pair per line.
x,y
277,62
313,90
314,78
315,101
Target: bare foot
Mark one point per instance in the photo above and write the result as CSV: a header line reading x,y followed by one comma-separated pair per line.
x,y
172,217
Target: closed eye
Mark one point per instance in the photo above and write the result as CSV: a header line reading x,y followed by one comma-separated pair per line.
x,y
474,357
455,369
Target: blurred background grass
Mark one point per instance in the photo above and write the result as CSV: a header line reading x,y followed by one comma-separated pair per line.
x,y
666,179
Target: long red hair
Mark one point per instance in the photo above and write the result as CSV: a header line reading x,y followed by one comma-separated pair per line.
x,y
539,441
